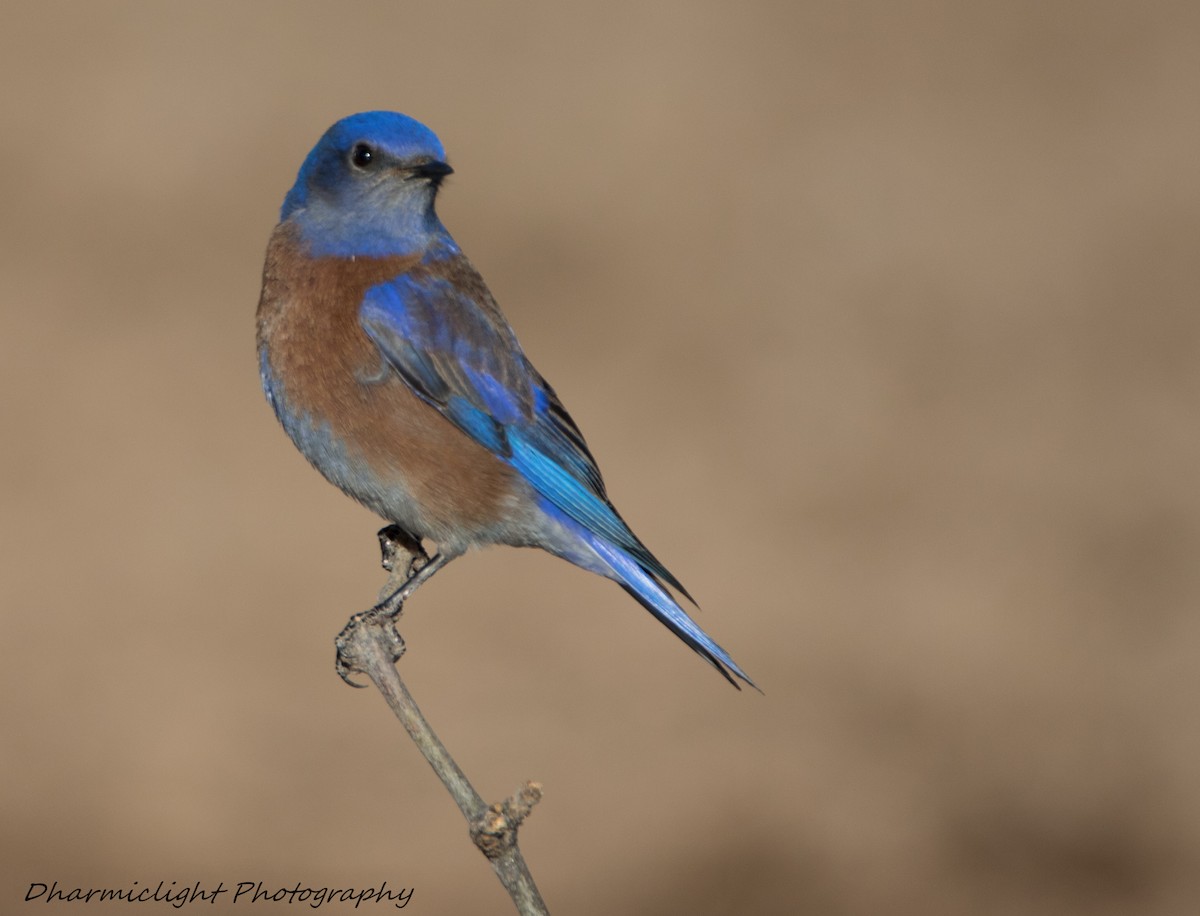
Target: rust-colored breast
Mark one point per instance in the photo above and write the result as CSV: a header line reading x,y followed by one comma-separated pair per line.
x,y
352,416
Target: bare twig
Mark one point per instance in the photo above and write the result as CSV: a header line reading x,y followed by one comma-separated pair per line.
x,y
371,646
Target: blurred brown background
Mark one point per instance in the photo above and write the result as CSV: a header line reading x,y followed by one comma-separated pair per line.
x,y
882,321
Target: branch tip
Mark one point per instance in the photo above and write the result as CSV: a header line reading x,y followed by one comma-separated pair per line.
x,y
495,830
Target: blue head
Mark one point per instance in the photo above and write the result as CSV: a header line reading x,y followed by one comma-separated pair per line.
x,y
367,188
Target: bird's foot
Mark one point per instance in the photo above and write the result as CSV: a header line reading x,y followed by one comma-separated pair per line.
x,y
404,558
392,540
408,567
358,628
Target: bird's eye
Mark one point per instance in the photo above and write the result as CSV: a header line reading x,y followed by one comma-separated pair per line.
x,y
362,155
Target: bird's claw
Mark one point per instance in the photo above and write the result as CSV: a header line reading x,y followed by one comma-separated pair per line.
x,y
376,623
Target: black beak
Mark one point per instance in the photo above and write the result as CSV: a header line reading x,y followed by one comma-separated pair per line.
x,y
433,170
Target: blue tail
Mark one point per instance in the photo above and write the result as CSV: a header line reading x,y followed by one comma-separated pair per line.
x,y
599,540
642,585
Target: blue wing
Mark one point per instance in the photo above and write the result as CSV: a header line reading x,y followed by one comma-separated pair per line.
x,y
441,331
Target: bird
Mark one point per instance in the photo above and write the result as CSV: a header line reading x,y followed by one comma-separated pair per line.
x,y
392,369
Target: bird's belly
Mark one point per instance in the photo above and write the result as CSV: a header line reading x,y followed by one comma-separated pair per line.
x,y
343,465
370,436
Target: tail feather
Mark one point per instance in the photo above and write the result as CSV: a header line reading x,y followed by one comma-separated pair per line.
x,y
650,593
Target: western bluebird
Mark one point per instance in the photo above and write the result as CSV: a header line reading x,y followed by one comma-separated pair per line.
x,y
394,372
